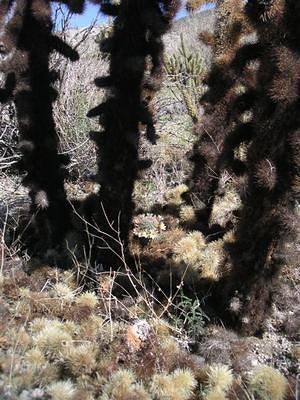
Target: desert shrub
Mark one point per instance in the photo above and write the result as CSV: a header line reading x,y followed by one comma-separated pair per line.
x,y
77,94
8,138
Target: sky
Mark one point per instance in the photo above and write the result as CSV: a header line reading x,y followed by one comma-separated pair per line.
x,y
91,11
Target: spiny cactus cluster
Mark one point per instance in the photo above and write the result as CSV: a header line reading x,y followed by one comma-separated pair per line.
x,y
76,353
181,254
136,64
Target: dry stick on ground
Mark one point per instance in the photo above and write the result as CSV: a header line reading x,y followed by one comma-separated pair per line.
x,y
126,281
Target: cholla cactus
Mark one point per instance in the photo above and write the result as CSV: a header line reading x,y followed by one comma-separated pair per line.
x,y
268,383
121,385
224,207
220,378
218,382
80,360
105,31
189,249
62,390
52,340
250,106
185,65
211,261
64,292
271,170
178,385
206,258
87,300
186,69
35,358
187,215
174,196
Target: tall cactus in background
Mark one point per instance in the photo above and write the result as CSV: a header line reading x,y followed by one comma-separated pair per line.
x,y
185,70
268,219
26,43
136,62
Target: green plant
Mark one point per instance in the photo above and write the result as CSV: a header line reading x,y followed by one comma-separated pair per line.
x,y
188,316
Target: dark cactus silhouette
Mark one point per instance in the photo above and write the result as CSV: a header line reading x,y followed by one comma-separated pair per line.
x,y
252,101
26,43
219,116
268,221
135,50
